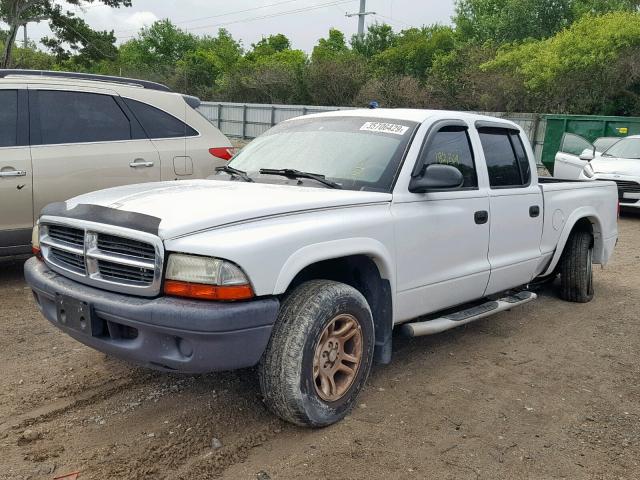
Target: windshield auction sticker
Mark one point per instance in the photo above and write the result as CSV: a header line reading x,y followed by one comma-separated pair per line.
x,y
380,127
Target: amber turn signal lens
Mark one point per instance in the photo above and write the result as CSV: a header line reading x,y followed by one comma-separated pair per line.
x,y
207,292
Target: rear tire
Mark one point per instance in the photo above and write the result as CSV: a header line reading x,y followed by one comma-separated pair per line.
x,y
576,268
319,355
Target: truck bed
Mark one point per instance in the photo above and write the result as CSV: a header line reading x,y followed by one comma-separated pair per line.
x,y
565,200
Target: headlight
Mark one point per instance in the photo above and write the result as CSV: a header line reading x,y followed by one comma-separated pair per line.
x,y
205,278
588,171
35,240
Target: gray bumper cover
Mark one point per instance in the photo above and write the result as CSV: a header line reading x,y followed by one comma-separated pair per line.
x,y
171,334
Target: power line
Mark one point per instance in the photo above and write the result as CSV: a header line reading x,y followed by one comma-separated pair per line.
x,y
394,20
183,22
87,42
263,17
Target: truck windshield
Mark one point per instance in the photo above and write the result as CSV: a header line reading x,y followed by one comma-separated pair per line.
x,y
358,153
625,148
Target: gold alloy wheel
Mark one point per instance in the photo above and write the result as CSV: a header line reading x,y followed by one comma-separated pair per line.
x,y
337,357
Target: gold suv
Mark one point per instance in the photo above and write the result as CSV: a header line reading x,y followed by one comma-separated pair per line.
x,y
64,134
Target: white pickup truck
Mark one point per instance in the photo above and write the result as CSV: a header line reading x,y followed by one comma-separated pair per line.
x,y
316,240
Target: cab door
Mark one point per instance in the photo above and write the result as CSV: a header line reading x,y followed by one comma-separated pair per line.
x,y
442,238
568,164
85,140
516,207
16,207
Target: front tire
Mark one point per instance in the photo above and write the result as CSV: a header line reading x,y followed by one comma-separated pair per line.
x,y
319,355
576,268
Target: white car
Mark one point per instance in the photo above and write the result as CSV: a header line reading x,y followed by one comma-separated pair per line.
x,y
63,134
321,236
620,162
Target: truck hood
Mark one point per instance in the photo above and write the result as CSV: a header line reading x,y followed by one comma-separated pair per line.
x,y
619,166
191,206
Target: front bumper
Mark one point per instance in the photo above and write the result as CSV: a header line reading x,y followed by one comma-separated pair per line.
x,y
163,333
627,199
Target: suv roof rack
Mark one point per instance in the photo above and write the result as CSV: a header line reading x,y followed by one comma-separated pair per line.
x,y
87,76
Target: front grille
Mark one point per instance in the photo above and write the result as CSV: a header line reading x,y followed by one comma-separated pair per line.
x,y
104,259
72,236
626,186
117,272
126,246
69,260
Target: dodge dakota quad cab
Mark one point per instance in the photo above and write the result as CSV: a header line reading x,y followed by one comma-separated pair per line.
x,y
302,254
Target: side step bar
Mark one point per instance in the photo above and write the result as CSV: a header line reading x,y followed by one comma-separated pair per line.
x,y
455,319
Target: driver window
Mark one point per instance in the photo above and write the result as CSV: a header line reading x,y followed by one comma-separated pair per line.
x,y
451,146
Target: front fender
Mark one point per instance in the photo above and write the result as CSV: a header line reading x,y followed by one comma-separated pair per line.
x,y
329,250
590,214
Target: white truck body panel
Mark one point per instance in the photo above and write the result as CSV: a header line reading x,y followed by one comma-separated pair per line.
x,y
425,244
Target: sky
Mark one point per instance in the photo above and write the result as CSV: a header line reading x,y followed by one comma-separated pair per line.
x,y
303,21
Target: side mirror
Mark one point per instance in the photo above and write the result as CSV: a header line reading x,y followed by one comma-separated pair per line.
x,y
437,177
588,154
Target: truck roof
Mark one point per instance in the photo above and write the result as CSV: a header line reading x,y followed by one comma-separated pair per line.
x,y
413,115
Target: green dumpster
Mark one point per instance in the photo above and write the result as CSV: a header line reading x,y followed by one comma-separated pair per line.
x,y
588,127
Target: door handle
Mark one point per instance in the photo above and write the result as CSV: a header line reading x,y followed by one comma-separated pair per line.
x,y
534,211
139,163
481,217
14,173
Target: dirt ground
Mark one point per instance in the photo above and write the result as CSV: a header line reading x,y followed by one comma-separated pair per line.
x,y
548,390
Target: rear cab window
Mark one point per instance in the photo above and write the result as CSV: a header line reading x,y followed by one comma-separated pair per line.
x,y
506,158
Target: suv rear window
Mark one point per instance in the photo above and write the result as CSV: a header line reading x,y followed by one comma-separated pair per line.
x,y
80,117
158,124
8,118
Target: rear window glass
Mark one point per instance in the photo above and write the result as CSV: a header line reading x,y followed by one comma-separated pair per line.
x,y
158,124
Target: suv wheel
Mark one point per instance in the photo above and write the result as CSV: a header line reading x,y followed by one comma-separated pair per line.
x,y
319,355
576,268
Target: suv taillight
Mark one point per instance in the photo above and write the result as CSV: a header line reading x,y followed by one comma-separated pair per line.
x,y
224,153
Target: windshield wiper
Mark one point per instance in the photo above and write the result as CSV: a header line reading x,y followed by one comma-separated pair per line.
x,y
235,172
291,173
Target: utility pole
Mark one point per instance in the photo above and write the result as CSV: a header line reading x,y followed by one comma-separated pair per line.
x,y
363,13
26,36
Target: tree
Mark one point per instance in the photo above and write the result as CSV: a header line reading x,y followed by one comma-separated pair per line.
x,y
68,28
268,46
158,47
199,71
396,91
502,21
330,47
413,51
588,68
510,20
378,38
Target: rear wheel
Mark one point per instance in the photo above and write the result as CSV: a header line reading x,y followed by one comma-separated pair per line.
x,y
319,355
576,268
